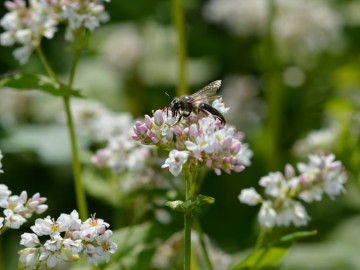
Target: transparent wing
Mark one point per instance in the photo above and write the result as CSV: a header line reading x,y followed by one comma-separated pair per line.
x,y
207,93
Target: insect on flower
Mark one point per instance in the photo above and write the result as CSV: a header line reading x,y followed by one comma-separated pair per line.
x,y
197,103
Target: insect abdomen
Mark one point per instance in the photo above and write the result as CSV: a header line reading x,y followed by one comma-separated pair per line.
x,y
213,111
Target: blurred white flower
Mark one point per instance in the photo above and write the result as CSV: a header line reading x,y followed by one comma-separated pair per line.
x,y
250,196
299,27
267,215
244,17
318,141
27,24
241,94
322,174
124,47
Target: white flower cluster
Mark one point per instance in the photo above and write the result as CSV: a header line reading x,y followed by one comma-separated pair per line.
x,y
282,207
68,237
19,208
305,25
121,155
27,25
318,141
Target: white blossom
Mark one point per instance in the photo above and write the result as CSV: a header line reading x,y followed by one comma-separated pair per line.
x,y
67,238
282,206
267,215
13,220
250,196
175,161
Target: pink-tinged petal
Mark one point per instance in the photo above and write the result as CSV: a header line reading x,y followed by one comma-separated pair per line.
x,y
158,118
235,148
154,139
193,131
142,129
233,160
135,137
185,131
227,142
209,163
148,122
177,131
138,123
239,168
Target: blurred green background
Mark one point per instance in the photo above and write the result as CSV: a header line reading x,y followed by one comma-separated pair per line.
x,y
291,76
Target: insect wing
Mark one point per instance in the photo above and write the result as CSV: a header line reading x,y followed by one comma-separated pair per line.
x,y
207,93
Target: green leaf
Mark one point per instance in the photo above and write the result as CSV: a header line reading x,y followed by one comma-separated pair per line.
x,y
136,245
176,205
293,237
193,203
269,256
22,81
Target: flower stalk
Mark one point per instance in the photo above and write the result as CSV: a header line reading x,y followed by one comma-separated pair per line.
x,y
79,188
188,215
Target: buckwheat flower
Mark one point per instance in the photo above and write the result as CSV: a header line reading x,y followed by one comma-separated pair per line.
x,y
318,141
26,25
65,239
176,161
1,222
240,16
202,140
36,204
74,246
284,192
267,215
30,240
13,220
29,258
292,212
15,203
296,28
4,192
250,196
49,226
124,47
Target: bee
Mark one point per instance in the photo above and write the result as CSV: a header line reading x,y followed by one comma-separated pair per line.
x,y
197,102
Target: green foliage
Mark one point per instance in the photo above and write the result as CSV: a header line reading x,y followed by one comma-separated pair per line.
x,y
23,82
270,255
194,203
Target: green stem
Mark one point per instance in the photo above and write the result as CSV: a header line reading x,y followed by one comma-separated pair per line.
x,y
188,175
79,188
203,244
261,238
45,63
179,22
2,257
273,93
